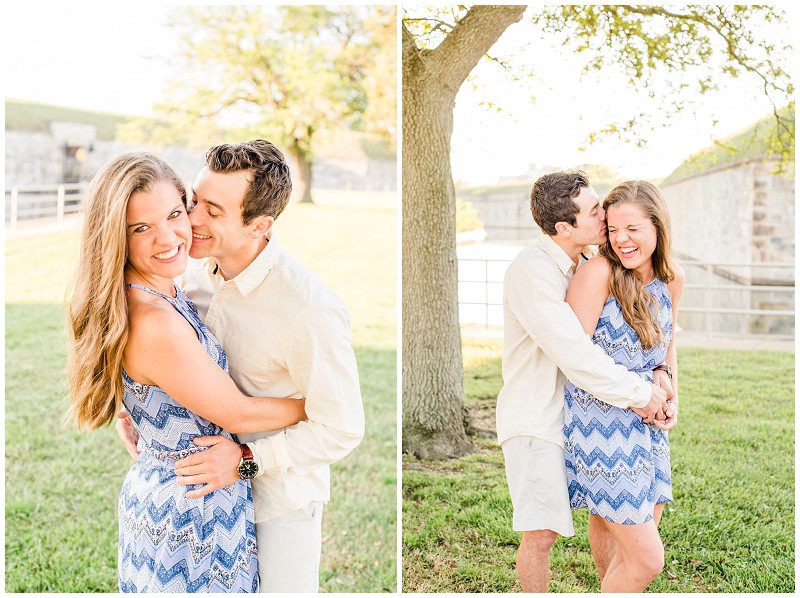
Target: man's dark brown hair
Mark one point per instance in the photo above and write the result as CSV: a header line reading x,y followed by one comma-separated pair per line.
x,y
552,199
270,183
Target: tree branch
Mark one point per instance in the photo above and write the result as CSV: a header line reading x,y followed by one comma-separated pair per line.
x,y
469,40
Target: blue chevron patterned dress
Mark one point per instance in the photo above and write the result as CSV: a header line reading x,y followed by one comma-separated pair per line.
x,y
168,543
618,466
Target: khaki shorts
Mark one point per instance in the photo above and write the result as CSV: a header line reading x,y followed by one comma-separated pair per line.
x,y
289,549
537,481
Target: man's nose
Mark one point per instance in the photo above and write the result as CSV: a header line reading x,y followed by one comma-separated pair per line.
x,y
194,216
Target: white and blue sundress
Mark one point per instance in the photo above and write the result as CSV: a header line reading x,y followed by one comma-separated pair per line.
x,y
617,465
168,543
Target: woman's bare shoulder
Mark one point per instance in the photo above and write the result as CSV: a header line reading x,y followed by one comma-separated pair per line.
x,y
675,286
596,268
678,271
151,318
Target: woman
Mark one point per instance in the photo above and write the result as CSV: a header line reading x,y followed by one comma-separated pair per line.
x,y
134,336
627,299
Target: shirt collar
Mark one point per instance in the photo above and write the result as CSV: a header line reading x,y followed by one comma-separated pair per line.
x,y
559,256
252,276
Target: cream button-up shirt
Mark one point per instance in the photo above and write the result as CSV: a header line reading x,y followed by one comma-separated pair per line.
x,y
286,335
543,342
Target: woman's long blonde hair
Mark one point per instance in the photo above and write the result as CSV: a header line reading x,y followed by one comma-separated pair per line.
x,y
640,308
97,313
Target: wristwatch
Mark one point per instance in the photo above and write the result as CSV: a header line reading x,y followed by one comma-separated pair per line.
x,y
248,468
664,368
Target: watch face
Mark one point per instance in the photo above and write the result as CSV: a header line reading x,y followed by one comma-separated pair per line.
x,y
247,469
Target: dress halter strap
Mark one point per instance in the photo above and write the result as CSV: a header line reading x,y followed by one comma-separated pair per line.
x,y
152,291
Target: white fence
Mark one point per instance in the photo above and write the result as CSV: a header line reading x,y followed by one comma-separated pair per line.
x,y
706,305
43,201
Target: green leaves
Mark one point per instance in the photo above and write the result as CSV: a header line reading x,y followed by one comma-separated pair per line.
x,y
674,51
280,72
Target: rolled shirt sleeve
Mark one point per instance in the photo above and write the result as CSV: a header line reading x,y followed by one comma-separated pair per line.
x,y
320,361
544,344
551,323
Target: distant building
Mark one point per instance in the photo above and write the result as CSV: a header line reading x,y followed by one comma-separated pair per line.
x,y
48,145
732,208
726,207
534,172
505,208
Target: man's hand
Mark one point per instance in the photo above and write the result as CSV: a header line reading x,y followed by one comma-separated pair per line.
x,y
215,467
657,408
127,433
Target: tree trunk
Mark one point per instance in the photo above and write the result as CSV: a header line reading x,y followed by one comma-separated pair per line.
x,y
301,174
433,390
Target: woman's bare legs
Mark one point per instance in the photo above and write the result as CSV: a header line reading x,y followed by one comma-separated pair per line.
x,y
657,512
638,557
601,544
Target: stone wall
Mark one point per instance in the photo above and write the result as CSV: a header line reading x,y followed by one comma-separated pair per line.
x,y
738,213
49,159
505,214
354,173
42,159
773,220
33,159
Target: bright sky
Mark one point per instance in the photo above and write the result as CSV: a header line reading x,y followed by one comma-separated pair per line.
x,y
101,57
112,58
547,131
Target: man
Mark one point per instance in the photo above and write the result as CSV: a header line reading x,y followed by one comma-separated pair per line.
x,y
543,343
286,335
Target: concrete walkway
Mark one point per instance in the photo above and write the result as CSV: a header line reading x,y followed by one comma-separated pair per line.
x,y
43,226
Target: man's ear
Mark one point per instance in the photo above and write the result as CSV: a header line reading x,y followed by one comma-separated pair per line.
x,y
260,226
563,229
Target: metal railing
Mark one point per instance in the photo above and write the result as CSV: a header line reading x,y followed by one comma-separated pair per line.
x,y
481,285
491,283
43,201
725,270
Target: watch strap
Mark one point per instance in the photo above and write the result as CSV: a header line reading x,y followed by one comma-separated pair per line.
x,y
664,368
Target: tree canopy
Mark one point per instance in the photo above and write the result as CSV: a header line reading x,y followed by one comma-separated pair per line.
x,y
278,72
670,56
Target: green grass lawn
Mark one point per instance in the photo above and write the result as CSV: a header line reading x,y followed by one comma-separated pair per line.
x,y
62,485
729,529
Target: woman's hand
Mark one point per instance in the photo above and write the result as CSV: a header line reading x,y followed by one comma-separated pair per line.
x,y
127,433
672,416
662,379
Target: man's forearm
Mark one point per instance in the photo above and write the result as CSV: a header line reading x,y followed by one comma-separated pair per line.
x,y
552,324
588,367
303,448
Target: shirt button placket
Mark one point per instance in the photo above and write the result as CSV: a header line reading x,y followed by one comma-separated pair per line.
x,y
217,304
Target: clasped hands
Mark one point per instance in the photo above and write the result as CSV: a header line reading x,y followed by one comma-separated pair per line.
x,y
214,468
662,410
